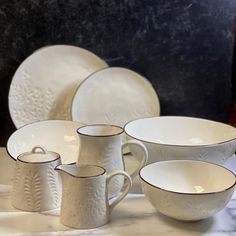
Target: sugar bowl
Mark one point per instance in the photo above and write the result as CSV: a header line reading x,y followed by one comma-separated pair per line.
x,y
36,185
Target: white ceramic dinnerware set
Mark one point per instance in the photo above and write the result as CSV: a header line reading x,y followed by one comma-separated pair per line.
x,y
75,117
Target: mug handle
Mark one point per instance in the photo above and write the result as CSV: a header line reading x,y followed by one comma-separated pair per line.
x,y
43,149
144,154
127,187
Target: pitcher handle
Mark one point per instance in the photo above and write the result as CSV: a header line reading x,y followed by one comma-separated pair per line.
x,y
144,155
121,195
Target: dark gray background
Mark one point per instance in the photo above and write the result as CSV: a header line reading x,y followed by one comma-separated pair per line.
x,y
184,47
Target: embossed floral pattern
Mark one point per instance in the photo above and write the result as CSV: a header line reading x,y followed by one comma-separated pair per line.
x,y
123,96
84,205
32,191
105,152
27,104
184,206
54,185
17,177
213,153
36,186
43,86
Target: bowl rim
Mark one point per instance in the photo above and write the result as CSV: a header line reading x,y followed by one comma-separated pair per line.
x,y
186,193
179,145
30,124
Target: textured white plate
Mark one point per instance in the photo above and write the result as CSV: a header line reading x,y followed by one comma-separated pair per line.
x,y
114,96
44,84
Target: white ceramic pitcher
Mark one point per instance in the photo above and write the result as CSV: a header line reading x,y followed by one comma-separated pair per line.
x,y
37,185
85,201
102,145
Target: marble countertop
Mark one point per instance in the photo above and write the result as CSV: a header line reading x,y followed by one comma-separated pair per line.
x,y
133,216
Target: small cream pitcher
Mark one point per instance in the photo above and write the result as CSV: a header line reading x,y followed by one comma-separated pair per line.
x,y
85,201
37,186
102,145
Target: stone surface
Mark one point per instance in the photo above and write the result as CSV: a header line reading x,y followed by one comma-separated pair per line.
x,y
184,47
134,216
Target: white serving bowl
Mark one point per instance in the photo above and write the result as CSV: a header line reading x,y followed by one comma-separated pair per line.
x,y
176,137
187,190
55,135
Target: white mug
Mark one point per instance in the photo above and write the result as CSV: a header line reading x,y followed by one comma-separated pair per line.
x,y
85,202
102,145
37,185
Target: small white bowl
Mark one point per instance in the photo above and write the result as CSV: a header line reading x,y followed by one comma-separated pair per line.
x,y
187,190
176,137
55,135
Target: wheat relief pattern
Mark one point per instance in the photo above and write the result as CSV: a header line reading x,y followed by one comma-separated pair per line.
x,y
202,155
32,190
29,103
52,182
112,115
16,177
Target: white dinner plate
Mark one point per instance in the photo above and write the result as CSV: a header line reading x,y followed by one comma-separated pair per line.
x,y
114,96
44,84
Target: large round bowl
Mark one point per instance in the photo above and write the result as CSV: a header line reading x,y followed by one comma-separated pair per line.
x,y
55,135
187,190
173,137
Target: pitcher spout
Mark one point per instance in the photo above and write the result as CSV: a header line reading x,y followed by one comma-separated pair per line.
x,y
64,168
82,171
59,168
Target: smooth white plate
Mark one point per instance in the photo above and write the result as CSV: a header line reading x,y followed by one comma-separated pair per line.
x,y
115,96
44,84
